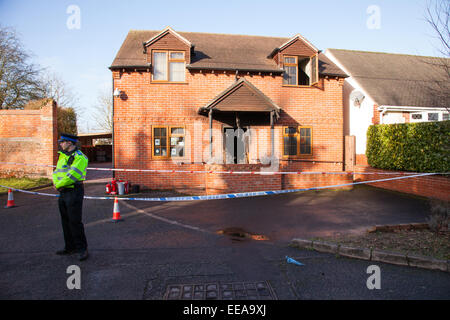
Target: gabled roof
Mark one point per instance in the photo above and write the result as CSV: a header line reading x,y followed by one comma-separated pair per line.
x,y
292,40
398,79
163,33
225,101
218,52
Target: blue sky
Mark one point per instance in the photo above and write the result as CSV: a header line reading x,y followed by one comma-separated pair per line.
x,y
81,57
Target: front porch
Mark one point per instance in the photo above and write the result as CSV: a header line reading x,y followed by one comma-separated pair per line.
x,y
235,114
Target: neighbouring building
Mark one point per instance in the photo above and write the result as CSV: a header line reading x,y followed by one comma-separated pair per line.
x,y
221,102
96,146
387,88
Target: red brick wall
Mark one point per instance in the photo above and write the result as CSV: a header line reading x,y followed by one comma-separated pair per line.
x,y
144,104
28,136
291,181
407,116
376,115
437,187
361,159
225,183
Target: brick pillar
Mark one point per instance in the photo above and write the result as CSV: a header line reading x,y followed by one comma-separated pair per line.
x,y
48,134
376,115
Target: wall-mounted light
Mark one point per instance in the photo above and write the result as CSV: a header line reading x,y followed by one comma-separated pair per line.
x,y
117,92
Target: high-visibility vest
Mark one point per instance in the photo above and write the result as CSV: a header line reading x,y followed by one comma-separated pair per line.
x,y
66,173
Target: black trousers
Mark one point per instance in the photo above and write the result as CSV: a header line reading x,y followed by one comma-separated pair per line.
x,y
70,207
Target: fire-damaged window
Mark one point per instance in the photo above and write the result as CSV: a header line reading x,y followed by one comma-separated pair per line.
x,y
168,142
300,71
290,137
297,141
176,142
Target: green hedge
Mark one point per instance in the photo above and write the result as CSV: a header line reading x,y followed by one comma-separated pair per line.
x,y
421,147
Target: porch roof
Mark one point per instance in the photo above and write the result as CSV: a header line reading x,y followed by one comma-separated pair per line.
x,y
241,96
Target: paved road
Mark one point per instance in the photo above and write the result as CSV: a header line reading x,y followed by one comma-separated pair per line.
x,y
168,244
99,174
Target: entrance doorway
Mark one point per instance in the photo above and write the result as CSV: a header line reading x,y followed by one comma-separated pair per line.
x,y
236,145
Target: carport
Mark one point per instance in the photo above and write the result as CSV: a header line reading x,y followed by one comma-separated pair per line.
x,y
97,146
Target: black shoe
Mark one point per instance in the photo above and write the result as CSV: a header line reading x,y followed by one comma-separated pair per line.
x,y
83,255
65,252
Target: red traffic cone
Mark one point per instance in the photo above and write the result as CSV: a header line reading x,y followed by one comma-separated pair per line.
x,y
116,211
10,203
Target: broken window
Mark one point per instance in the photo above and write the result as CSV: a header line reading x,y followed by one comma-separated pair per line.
x,y
176,142
290,141
297,141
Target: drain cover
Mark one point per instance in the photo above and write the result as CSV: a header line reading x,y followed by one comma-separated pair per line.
x,y
260,290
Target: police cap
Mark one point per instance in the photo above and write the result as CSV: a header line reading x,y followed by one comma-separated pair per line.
x,y
68,137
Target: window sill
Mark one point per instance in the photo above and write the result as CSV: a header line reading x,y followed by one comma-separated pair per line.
x,y
177,159
167,82
297,86
302,156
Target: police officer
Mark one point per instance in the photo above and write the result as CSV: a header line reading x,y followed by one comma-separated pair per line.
x,y
68,180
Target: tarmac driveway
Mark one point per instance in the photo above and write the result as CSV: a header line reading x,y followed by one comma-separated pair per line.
x,y
163,244
297,215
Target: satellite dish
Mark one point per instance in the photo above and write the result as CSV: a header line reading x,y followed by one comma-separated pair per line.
x,y
357,98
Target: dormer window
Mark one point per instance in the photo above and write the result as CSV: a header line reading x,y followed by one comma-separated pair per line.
x,y
300,70
168,66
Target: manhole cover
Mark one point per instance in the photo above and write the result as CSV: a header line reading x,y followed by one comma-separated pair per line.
x,y
260,290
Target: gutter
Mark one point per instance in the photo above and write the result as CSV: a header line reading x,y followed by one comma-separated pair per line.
x,y
190,67
384,109
408,108
140,66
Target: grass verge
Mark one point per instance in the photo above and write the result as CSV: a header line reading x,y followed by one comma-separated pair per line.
x,y
417,242
22,183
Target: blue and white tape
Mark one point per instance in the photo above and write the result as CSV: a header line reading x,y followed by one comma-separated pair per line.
x,y
229,172
228,195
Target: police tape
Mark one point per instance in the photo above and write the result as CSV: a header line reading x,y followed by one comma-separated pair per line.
x,y
228,195
233,172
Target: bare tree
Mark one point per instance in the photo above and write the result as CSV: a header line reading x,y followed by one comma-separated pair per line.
x,y
53,86
103,110
19,79
437,16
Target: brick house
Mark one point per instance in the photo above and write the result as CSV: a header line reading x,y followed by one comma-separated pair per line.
x,y
388,88
218,102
